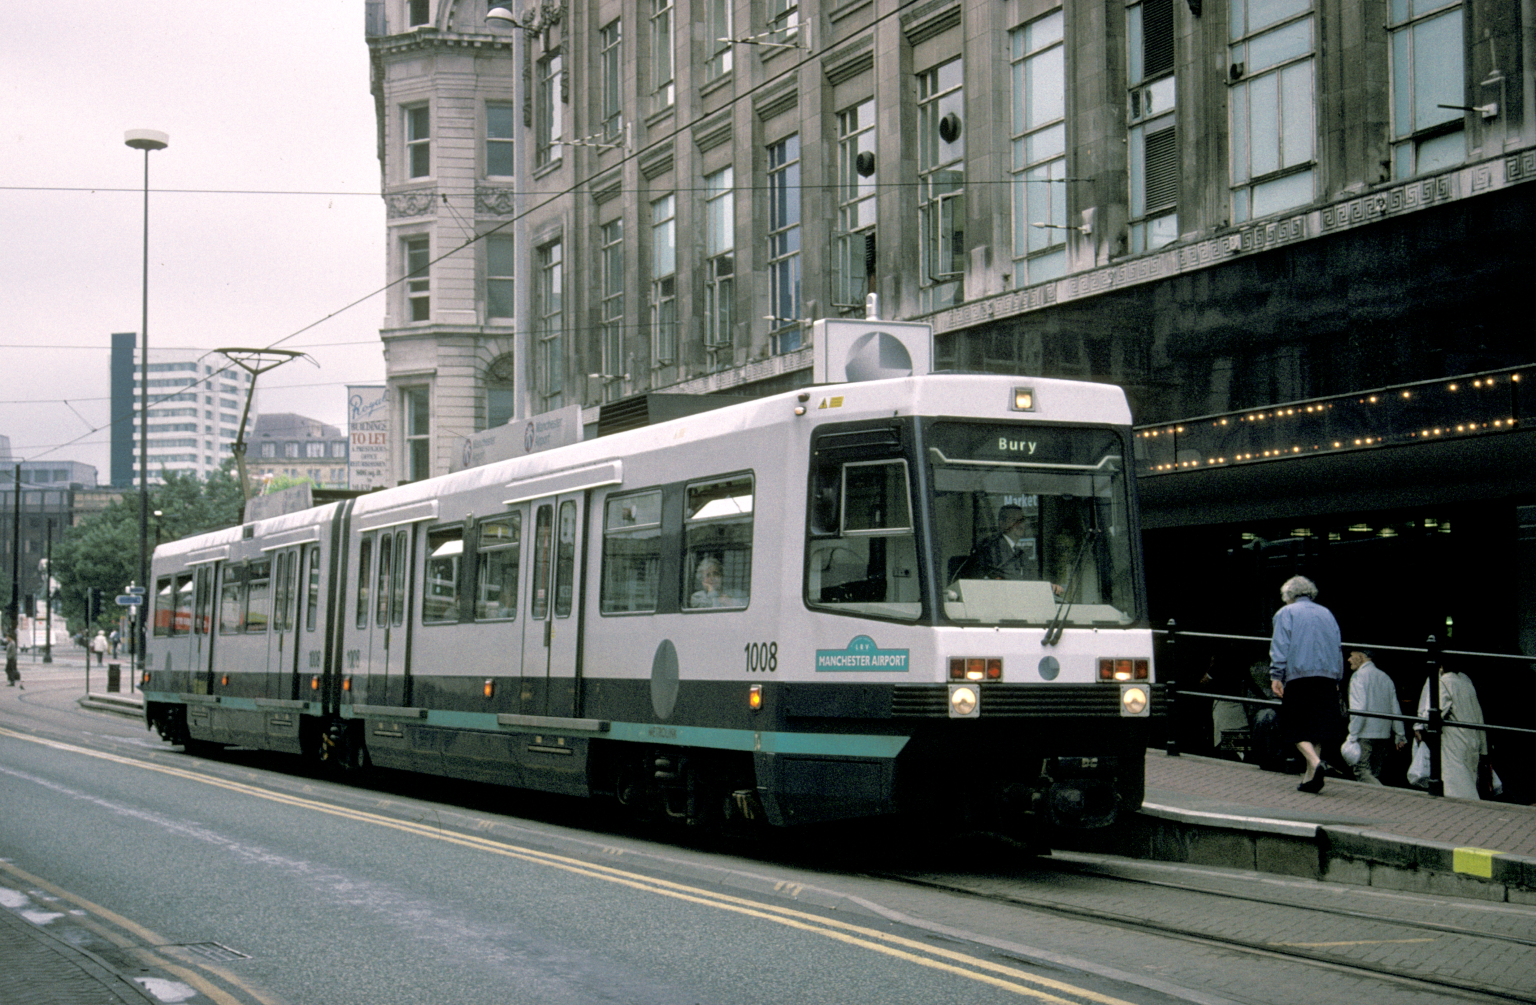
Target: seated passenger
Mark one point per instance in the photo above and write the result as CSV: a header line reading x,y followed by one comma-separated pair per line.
x,y
710,594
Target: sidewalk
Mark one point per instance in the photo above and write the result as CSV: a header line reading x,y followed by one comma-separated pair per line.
x,y
41,969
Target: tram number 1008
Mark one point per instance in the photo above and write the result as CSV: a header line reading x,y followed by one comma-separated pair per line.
x,y
762,657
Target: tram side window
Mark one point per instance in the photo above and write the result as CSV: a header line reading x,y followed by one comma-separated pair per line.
x,y
631,553
258,596
364,564
163,606
717,532
440,602
312,605
232,600
863,552
181,620
500,557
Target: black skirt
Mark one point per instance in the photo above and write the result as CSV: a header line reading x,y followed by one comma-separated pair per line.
x,y
1309,710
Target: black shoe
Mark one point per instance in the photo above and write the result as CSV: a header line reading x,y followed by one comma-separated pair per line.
x,y
1315,784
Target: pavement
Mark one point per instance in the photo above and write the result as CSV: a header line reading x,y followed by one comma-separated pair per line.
x,y
1199,810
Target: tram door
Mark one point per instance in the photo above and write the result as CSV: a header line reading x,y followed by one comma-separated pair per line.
x,y
288,578
551,630
203,634
388,640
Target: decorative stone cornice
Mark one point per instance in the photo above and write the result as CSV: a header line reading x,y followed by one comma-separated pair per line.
x,y
416,202
495,200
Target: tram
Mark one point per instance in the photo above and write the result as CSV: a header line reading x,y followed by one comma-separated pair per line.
x,y
793,609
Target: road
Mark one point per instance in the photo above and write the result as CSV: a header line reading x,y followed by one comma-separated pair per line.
x,y
241,880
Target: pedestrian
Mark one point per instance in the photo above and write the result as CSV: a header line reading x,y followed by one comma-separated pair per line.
x,y
1371,690
1305,667
99,647
1462,751
114,639
12,672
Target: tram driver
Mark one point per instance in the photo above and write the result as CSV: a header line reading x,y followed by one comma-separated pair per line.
x,y
1012,552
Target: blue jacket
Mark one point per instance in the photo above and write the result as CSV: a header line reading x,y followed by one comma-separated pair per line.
x,y
1305,642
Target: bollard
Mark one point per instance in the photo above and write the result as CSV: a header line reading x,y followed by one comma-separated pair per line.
x,y
114,677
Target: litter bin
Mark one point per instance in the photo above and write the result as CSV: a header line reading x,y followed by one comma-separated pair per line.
x,y
114,676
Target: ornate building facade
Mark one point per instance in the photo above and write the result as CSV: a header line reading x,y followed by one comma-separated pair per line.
x,y
1235,210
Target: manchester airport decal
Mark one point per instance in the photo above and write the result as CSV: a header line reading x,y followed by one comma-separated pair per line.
x,y
862,654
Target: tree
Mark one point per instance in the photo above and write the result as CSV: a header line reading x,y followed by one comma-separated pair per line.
x,y
102,550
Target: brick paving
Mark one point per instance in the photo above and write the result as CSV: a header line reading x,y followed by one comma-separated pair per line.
x,y
1211,785
38,969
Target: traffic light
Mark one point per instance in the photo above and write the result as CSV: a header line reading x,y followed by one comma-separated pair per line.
x,y
92,604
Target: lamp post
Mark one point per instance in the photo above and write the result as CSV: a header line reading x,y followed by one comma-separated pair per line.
x,y
145,140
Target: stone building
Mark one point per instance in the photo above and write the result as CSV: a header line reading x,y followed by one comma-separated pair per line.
x,y
1296,232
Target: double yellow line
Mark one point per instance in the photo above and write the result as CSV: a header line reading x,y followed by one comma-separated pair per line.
x,y
912,951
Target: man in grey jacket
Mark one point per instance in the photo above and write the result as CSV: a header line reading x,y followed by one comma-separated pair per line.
x,y
1371,690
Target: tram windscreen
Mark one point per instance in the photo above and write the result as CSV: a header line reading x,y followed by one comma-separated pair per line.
x,y
1032,523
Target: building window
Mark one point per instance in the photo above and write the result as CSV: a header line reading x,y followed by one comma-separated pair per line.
x,y
719,258
784,244
1427,71
941,184
614,366
416,406
418,141
1154,156
610,61
717,38
500,391
419,12
1039,80
269,449
316,449
500,257
550,322
853,260
664,280
783,21
1272,102
547,123
418,257
662,85
500,148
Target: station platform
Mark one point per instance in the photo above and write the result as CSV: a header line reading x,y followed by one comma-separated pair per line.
x,y
1208,811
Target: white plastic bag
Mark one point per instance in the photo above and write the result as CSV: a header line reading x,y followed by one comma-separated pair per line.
x,y
1418,771
1350,748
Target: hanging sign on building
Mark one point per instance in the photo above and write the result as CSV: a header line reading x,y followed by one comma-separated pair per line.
x,y
519,437
368,437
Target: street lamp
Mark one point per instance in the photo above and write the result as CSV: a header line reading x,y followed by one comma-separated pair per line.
x,y
145,140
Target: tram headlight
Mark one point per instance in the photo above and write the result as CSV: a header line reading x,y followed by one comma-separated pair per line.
x,y
964,701
1134,700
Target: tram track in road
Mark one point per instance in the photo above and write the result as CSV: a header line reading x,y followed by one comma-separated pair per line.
x,y
1389,944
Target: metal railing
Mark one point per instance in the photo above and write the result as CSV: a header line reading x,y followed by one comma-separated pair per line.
x,y
1433,721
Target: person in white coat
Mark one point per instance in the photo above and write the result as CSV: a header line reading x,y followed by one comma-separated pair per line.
x,y
99,646
1371,690
1461,750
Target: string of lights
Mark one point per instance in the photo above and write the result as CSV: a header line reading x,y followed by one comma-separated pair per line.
x,y
1472,405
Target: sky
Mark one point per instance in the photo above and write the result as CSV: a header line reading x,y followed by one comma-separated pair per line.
x,y
265,223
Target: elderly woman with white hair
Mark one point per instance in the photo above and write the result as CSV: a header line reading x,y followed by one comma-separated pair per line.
x,y
1305,666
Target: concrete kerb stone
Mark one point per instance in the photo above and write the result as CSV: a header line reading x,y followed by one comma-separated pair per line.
x,y
1367,857
129,705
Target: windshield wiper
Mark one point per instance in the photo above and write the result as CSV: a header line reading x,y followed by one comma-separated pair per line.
x,y
1059,622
